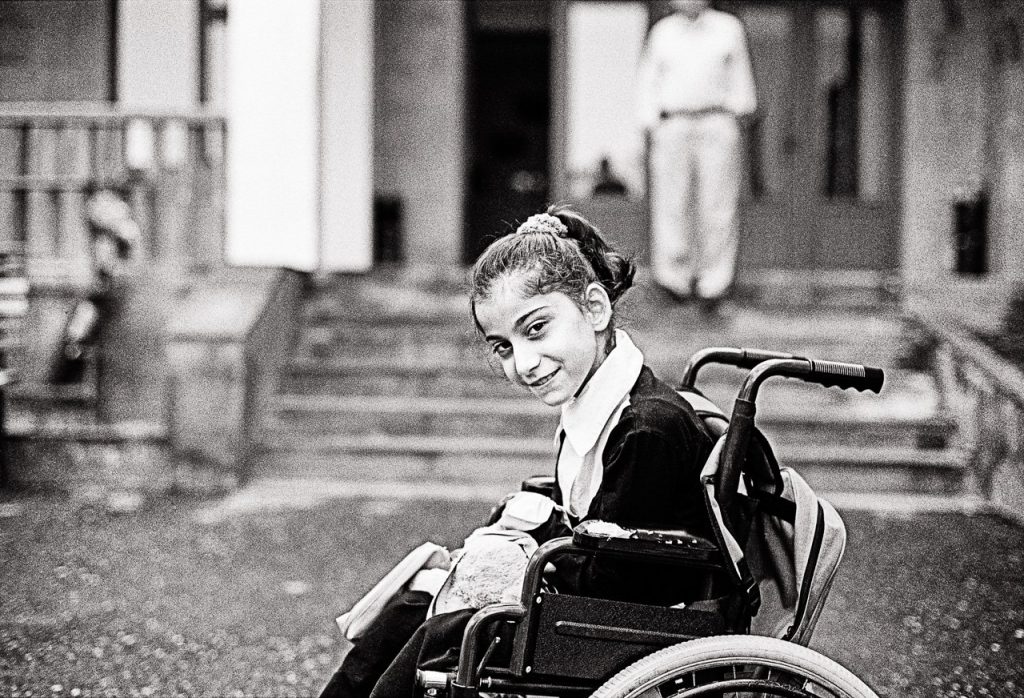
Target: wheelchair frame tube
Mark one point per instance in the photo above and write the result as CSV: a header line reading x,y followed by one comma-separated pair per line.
x,y
467,677
531,588
741,358
741,425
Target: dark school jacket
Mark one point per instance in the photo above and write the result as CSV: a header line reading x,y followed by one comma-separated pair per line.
x,y
651,479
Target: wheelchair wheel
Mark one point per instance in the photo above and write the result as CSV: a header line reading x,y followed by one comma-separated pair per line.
x,y
735,665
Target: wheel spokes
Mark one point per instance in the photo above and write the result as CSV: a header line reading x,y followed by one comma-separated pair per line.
x,y
740,681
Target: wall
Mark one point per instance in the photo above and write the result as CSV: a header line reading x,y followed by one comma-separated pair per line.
x,y
418,140
1006,143
604,45
963,130
943,133
346,84
226,343
158,54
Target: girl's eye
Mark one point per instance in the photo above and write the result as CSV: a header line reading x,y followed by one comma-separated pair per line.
x,y
502,349
536,328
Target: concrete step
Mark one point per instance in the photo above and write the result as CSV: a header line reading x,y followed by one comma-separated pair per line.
x,y
507,461
878,340
883,353
377,375
894,423
387,329
390,383
767,289
429,319
269,493
368,298
34,402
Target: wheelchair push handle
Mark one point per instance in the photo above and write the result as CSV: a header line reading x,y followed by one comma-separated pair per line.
x,y
730,356
827,373
741,423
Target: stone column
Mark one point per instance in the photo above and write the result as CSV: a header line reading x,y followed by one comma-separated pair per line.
x,y
273,154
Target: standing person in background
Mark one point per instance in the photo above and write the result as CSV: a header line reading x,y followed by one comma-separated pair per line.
x,y
695,84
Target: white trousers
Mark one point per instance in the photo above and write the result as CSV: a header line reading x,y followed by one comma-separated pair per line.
x,y
695,186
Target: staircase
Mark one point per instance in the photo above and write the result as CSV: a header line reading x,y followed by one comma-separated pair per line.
x,y
389,385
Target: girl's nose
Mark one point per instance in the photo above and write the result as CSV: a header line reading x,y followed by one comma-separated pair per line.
x,y
527,360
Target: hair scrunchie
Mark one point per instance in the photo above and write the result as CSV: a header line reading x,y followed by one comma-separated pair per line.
x,y
543,223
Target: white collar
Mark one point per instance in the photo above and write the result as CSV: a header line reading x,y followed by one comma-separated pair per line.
x,y
585,416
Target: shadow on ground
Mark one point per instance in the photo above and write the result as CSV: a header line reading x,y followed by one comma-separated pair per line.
x,y
157,603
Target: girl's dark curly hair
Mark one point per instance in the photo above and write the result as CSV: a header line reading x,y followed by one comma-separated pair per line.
x,y
566,261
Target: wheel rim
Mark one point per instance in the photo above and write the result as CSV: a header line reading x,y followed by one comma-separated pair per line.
x,y
738,680
745,686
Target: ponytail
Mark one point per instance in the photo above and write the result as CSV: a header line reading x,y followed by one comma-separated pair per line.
x,y
611,269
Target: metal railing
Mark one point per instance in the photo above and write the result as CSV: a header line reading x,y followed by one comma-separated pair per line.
x,y
13,307
169,165
986,393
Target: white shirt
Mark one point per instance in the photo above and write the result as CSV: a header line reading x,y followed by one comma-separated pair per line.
x,y
695,65
589,418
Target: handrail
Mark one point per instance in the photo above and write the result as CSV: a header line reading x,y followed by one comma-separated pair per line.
x,y
53,183
1005,379
986,393
170,164
57,113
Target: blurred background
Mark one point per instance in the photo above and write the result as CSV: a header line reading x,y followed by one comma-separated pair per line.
x,y
206,206
234,237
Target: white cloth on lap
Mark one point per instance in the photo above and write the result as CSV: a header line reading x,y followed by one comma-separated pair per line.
x,y
491,565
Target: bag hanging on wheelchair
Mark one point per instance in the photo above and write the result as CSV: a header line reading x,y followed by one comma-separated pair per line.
x,y
796,540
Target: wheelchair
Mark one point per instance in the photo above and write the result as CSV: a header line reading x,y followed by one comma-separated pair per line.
x,y
555,644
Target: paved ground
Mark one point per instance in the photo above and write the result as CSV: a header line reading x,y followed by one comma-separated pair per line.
x,y
183,599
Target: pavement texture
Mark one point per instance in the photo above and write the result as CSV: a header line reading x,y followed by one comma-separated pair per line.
x,y
180,597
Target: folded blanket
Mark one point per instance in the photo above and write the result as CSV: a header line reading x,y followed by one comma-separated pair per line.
x,y
490,566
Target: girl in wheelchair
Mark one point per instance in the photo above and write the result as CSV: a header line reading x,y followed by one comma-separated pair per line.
x,y
630,449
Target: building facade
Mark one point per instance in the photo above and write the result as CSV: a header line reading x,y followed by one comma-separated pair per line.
x,y
889,142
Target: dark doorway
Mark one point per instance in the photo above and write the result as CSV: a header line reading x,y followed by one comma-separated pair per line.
x,y
509,113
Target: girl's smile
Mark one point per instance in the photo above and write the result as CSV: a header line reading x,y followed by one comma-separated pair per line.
x,y
545,342
541,382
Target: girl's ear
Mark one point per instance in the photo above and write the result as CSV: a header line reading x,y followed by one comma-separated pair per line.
x,y
598,306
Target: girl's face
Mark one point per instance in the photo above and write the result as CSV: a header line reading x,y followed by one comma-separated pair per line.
x,y
546,342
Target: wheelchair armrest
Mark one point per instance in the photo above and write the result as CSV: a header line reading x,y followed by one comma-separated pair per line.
x,y
541,484
667,545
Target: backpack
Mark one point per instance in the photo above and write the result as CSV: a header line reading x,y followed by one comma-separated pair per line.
x,y
787,542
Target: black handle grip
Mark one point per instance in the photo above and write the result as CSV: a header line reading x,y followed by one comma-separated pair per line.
x,y
843,375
